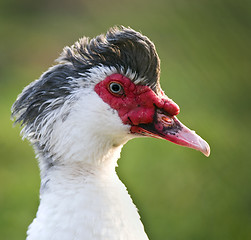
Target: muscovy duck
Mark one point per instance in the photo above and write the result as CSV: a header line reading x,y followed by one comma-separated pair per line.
x,y
102,92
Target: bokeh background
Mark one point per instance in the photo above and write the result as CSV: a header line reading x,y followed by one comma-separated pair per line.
x,y
205,52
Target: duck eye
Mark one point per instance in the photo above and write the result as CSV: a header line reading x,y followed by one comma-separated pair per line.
x,y
116,88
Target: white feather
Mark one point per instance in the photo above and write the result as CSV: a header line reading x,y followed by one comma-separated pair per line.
x,y
81,196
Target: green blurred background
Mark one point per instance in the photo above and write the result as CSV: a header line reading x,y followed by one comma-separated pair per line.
x,y
205,54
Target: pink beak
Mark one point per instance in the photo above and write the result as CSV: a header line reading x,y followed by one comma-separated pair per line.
x,y
171,129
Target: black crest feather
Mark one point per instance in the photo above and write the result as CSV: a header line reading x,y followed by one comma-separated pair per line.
x,y
122,48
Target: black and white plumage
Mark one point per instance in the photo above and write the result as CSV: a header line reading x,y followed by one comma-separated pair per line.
x,y
102,93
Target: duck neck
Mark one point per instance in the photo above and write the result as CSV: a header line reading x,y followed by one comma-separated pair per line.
x,y
91,164
85,200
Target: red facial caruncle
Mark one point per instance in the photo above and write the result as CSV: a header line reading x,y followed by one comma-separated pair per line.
x,y
148,114
136,104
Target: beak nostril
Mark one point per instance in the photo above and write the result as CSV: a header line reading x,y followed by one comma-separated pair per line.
x,y
165,120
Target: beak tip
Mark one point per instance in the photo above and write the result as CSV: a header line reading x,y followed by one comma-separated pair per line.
x,y
204,147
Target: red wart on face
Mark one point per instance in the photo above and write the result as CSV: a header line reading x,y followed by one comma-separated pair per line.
x,y
137,104
147,113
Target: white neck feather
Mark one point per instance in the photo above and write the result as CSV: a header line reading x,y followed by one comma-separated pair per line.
x,y
81,194
85,202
